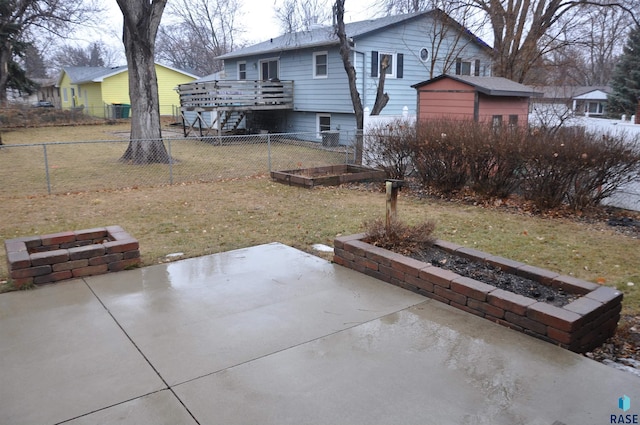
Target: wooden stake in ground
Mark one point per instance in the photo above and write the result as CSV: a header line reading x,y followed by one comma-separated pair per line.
x,y
393,187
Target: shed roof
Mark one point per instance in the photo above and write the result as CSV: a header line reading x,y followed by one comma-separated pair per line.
x,y
492,86
326,35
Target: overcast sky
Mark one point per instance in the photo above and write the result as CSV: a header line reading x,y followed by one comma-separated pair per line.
x,y
258,20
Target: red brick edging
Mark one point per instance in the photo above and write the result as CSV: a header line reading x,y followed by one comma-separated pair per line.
x,y
67,255
579,326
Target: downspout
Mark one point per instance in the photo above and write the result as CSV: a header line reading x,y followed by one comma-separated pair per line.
x,y
363,92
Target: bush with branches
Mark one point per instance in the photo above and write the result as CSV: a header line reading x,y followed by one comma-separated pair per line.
x,y
550,167
388,147
400,237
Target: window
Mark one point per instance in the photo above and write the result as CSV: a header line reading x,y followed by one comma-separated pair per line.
x,y
496,122
393,61
476,68
424,55
594,108
269,69
323,123
320,65
386,63
242,70
462,67
65,96
513,121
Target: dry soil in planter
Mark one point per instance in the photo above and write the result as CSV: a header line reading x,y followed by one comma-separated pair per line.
x,y
493,275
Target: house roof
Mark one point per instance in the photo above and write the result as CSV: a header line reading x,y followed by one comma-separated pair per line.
x,y
324,36
92,74
492,86
570,92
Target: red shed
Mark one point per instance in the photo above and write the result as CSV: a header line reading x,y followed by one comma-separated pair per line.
x,y
489,99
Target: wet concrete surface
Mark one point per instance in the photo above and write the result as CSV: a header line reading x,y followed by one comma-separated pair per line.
x,y
272,335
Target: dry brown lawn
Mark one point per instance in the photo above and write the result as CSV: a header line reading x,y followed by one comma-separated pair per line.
x,y
204,218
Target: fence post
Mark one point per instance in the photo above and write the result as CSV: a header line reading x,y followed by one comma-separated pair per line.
x,y
269,150
170,161
46,168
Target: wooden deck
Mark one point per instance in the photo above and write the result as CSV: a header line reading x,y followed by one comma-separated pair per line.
x,y
229,101
236,95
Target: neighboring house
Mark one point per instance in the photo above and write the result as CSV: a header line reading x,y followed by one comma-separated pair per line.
x,y
98,90
297,82
47,91
482,99
572,100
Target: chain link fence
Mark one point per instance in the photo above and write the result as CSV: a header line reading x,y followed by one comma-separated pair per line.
x,y
48,168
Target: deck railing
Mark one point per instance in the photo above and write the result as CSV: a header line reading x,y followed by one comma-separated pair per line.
x,y
236,94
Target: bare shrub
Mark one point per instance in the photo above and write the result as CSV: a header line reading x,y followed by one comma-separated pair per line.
x,y
495,157
401,238
576,167
549,168
389,147
606,163
440,154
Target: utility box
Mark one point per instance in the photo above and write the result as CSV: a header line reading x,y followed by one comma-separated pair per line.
x,y
330,138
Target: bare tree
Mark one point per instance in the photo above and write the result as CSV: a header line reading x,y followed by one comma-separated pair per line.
x,y
601,40
96,54
399,7
141,22
19,18
345,54
526,30
296,15
204,30
34,64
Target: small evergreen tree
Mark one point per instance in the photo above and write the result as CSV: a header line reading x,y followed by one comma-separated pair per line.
x,y
626,77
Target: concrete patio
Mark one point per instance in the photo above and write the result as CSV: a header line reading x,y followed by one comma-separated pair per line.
x,y
272,335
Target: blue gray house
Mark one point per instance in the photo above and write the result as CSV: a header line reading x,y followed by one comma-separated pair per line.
x,y
297,82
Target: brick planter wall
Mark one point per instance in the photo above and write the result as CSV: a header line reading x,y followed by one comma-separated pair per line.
x,y
579,326
67,255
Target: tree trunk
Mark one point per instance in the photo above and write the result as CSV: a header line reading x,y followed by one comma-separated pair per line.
x,y
141,21
345,53
382,98
5,57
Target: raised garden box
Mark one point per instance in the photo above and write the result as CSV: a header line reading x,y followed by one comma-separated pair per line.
x,y
68,255
331,175
579,326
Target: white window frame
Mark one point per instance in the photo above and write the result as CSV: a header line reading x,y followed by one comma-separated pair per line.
x,y
318,129
315,64
393,67
462,63
245,70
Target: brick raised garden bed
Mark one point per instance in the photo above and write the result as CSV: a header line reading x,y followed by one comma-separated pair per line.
x,y
579,326
67,255
332,175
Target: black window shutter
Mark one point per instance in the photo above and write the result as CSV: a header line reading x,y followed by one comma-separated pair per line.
x,y
477,70
400,70
374,63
